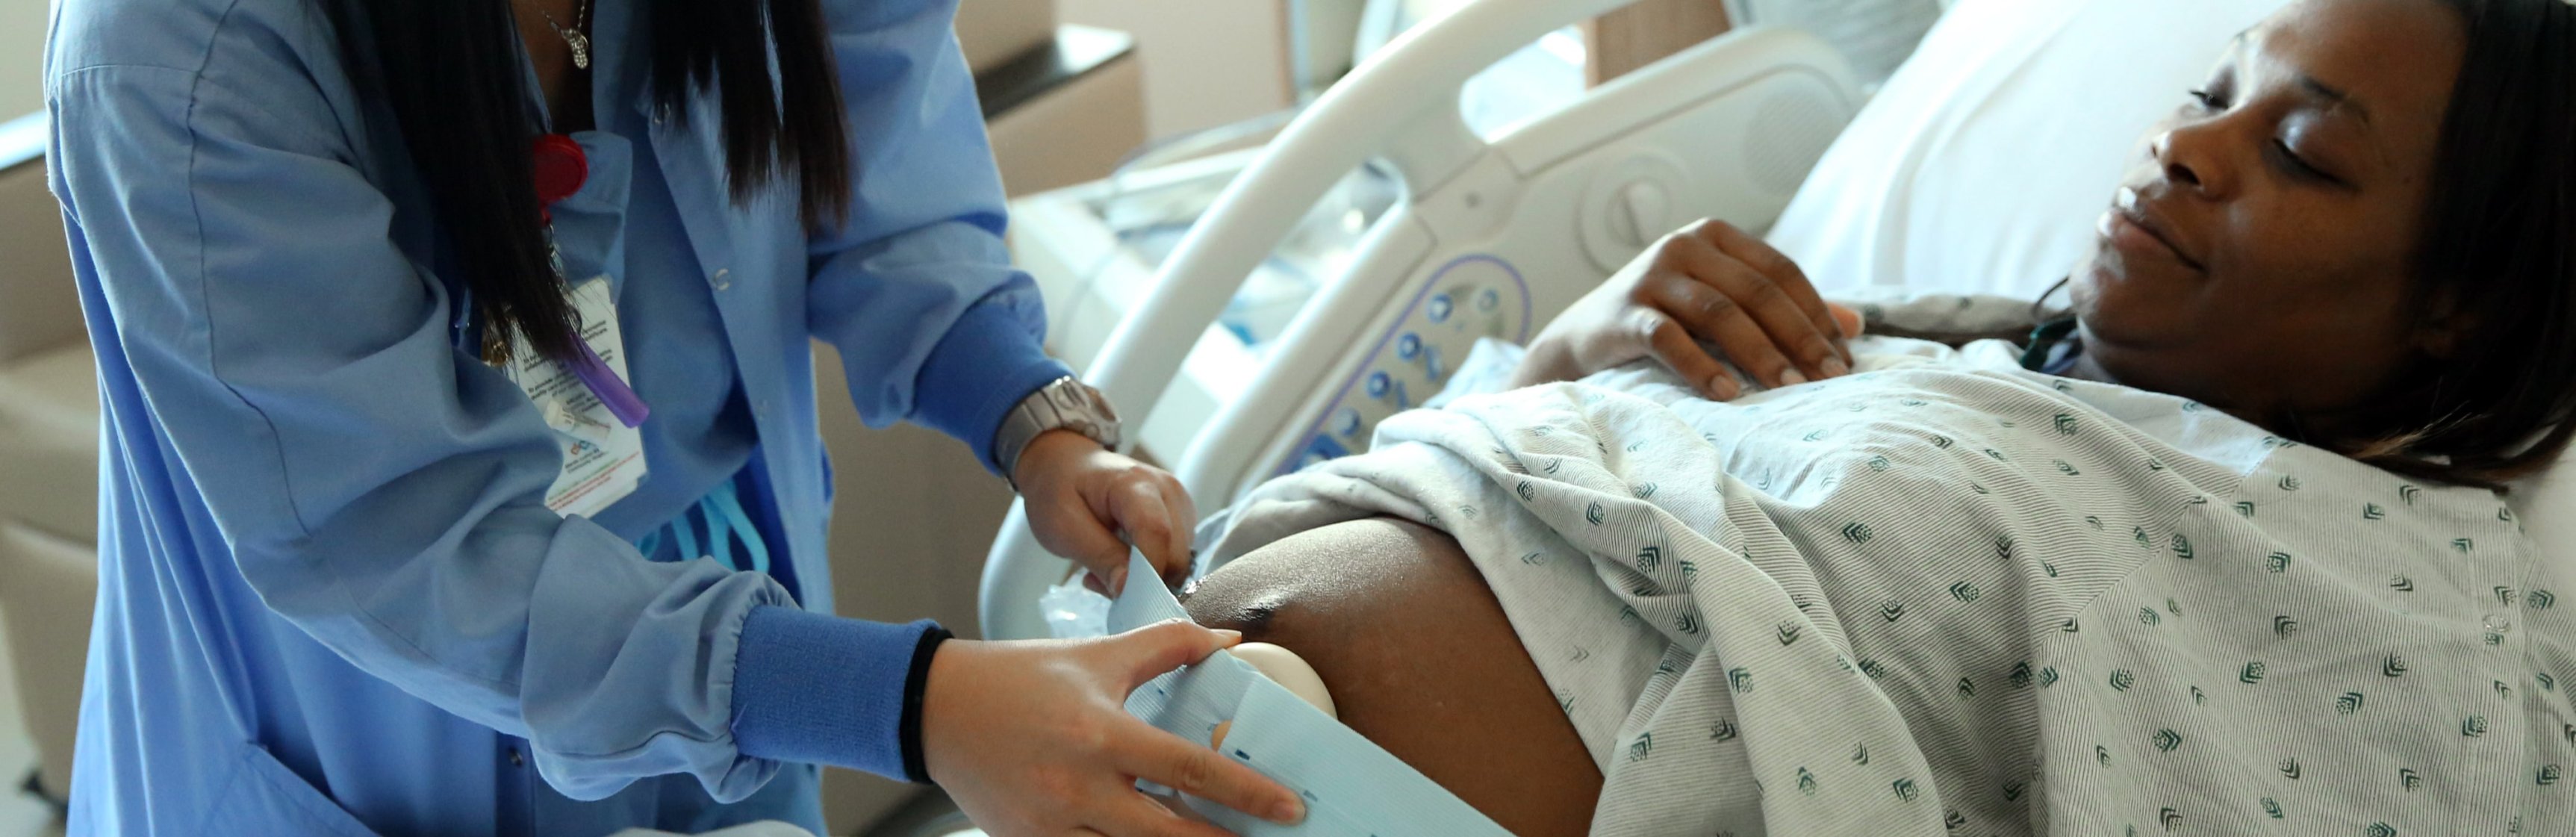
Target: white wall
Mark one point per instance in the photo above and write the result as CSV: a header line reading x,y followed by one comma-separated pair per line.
x,y
1207,62
22,50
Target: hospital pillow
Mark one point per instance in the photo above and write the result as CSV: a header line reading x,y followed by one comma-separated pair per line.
x,y
1980,166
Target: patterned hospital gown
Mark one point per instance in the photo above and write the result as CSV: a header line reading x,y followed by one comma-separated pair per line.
x,y
1953,597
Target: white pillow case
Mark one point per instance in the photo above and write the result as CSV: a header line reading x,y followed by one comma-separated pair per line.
x,y
1981,165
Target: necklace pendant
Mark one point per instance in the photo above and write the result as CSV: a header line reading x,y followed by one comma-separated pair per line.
x,y
580,45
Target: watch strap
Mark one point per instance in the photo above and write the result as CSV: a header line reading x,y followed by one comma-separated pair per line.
x,y
1063,404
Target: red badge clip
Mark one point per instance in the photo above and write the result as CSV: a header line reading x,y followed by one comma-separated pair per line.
x,y
561,168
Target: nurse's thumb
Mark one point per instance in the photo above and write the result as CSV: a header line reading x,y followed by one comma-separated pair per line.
x,y
1146,653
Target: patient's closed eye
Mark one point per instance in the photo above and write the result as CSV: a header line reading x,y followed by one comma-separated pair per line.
x,y
2299,166
2216,98
2219,94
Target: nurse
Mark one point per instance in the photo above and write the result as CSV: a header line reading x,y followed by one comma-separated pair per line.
x,y
461,465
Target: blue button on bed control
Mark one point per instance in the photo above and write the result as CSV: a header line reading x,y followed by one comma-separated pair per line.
x,y
1319,450
1439,308
1408,346
1488,300
1432,366
1347,422
1378,384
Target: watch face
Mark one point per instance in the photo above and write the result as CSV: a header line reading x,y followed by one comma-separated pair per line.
x,y
1085,403
1063,396
1086,411
1099,405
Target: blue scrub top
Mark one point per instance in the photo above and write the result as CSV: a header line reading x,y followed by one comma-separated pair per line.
x,y
331,600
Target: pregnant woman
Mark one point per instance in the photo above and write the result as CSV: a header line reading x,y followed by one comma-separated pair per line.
x,y
2221,549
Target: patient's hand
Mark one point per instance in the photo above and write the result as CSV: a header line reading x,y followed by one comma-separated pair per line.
x,y
1707,283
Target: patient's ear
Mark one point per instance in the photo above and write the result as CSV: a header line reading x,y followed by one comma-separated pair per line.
x,y
2444,326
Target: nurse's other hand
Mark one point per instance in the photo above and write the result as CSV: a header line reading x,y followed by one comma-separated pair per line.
x,y
1708,283
1089,504
1033,738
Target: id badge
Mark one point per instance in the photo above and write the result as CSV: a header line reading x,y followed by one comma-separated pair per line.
x,y
603,459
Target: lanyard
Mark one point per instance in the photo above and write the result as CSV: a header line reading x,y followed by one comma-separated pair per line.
x,y
561,168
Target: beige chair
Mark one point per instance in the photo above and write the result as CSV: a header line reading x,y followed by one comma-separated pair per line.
x,y
48,457
47,584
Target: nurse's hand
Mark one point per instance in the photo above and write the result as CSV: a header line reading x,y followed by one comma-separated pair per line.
x,y
1089,504
1709,283
1033,738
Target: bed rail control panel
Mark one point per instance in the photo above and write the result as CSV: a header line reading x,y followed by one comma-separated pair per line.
x,y
1499,244
1509,241
1470,298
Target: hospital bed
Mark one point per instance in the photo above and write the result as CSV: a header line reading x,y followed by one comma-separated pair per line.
x,y
1491,239
1975,168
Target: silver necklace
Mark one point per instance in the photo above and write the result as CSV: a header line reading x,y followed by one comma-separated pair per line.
x,y
573,36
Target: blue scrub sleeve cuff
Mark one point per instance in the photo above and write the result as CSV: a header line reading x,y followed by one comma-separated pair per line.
x,y
821,689
987,363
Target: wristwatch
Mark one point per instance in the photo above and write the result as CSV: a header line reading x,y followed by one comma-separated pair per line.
x,y
1063,404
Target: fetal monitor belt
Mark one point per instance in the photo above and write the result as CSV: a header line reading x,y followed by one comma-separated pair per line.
x,y
1351,786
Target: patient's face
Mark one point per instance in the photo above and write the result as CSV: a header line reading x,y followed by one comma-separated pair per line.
x,y
2291,189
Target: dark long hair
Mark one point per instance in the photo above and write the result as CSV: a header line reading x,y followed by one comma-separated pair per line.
x,y
2499,250
449,72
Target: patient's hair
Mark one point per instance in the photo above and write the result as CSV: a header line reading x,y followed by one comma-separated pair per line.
x,y
2499,244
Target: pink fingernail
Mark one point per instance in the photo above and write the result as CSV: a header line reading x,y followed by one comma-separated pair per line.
x,y
1724,387
1792,378
1287,813
1835,368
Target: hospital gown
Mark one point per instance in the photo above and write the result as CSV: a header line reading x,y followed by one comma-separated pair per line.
x,y
1950,596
